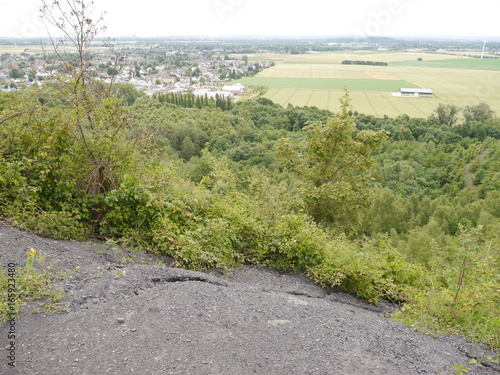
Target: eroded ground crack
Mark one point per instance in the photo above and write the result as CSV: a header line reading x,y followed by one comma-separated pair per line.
x,y
185,278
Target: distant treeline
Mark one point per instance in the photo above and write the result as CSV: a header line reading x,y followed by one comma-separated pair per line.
x,y
189,100
377,63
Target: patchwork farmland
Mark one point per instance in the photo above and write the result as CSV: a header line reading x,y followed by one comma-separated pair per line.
x,y
319,80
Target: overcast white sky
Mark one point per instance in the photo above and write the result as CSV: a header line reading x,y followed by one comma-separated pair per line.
x,y
143,18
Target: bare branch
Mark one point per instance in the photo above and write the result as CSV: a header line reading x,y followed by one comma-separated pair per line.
x,y
73,18
12,116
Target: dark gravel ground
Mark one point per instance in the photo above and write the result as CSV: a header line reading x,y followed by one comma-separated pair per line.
x,y
128,317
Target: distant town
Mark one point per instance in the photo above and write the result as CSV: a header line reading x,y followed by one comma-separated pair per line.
x,y
151,69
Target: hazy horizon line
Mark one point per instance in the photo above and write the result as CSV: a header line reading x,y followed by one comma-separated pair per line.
x,y
422,37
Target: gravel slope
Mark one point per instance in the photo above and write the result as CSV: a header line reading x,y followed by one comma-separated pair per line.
x,y
147,319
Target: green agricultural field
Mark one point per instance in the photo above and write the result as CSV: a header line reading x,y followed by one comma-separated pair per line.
x,y
18,49
374,103
338,57
464,63
327,83
318,80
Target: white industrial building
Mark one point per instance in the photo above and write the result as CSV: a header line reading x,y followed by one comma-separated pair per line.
x,y
413,92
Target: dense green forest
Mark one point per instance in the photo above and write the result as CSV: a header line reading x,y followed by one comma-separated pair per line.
x,y
401,209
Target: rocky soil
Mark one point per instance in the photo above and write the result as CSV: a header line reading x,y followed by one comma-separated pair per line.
x,y
128,315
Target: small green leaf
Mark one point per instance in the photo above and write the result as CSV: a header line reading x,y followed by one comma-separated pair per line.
x,y
460,369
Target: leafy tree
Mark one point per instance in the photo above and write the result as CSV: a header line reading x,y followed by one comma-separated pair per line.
x,y
332,169
31,75
15,74
188,148
447,114
112,71
128,93
403,134
480,112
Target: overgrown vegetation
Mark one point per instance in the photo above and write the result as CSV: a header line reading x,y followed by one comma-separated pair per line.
x,y
32,282
402,209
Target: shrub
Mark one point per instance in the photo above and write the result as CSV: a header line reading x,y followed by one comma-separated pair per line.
x,y
128,210
372,270
210,245
296,244
53,224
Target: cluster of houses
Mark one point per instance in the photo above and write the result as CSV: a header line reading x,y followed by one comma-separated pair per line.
x,y
24,70
17,71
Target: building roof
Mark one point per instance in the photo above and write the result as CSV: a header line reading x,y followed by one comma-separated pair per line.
x,y
420,91
236,86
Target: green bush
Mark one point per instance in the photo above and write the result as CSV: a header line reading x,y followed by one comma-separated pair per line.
x,y
210,245
54,224
296,244
128,210
372,270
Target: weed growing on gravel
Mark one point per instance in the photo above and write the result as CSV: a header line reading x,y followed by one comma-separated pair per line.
x,y
119,273
34,281
461,369
31,259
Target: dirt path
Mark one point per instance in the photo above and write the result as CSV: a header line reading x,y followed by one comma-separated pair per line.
x,y
150,319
